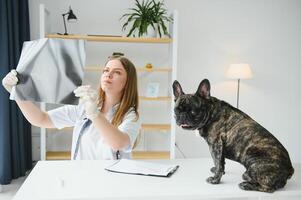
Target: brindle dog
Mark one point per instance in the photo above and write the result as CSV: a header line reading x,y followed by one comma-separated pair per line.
x,y
232,134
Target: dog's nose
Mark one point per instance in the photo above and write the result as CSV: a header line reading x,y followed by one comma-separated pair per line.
x,y
182,118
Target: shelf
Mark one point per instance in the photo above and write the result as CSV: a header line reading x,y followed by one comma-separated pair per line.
x,y
145,127
155,127
58,155
66,155
150,154
111,38
154,69
169,69
63,129
143,98
139,69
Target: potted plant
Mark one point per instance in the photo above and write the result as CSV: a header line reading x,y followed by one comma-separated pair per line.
x,y
159,16
147,14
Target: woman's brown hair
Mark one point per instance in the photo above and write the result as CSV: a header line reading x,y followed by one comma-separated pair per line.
x,y
129,98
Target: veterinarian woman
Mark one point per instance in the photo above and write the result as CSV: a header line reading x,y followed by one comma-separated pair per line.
x,y
106,122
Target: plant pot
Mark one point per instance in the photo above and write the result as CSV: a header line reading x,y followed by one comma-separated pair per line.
x,y
151,32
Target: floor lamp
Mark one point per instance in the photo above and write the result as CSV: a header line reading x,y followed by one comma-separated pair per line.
x,y
239,71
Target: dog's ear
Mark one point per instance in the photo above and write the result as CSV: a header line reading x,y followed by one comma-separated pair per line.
x,y
177,89
204,89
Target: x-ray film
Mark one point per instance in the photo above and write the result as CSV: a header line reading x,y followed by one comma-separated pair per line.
x,y
49,70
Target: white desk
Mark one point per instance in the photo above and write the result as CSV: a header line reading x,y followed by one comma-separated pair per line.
x,y
88,180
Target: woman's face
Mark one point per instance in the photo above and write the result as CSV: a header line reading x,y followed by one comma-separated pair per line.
x,y
113,78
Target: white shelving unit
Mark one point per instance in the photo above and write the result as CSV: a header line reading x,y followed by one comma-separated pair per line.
x,y
171,72
44,27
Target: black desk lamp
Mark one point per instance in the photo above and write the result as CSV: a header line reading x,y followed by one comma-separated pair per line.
x,y
71,18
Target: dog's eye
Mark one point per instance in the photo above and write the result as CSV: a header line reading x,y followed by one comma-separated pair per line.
x,y
192,112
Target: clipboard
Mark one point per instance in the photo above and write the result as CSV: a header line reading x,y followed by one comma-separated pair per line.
x,y
144,168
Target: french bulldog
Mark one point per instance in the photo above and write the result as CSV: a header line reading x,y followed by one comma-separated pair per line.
x,y
232,134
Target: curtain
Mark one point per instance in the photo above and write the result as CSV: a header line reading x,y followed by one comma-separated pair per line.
x,y
15,131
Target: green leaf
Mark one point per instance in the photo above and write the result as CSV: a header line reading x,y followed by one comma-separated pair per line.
x,y
135,26
146,13
164,28
159,30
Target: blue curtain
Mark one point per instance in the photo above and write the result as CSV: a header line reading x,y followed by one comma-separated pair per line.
x,y
15,131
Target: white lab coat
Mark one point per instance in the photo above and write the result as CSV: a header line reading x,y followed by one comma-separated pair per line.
x,y
92,146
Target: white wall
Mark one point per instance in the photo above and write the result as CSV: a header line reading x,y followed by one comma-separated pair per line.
x,y
212,35
263,33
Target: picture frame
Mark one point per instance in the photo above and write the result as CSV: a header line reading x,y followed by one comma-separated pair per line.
x,y
152,89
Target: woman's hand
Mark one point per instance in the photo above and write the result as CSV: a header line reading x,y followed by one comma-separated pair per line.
x,y
112,136
89,97
10,80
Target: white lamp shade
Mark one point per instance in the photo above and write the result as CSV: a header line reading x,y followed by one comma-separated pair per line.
x,y
239,71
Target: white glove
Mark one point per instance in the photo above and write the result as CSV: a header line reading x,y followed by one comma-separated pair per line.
x,y
89,97
10,80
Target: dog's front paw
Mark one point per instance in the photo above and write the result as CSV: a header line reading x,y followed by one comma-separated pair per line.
x,y
213,170
213,180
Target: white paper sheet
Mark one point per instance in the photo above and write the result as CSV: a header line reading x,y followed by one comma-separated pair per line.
x,y
142,168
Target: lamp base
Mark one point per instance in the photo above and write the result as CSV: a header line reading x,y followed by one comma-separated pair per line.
x,y
62,33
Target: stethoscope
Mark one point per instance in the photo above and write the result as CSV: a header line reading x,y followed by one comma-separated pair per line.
x,y
86,124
